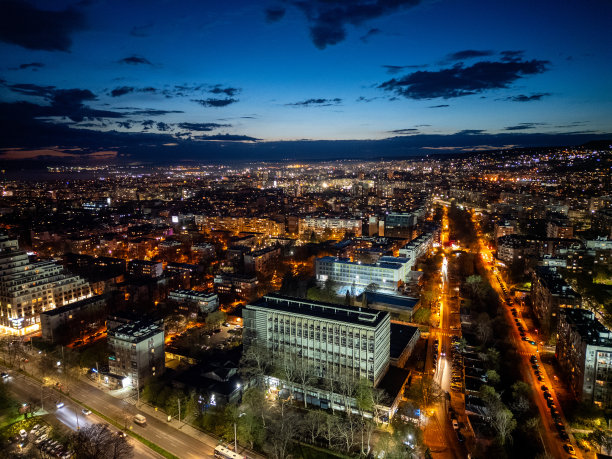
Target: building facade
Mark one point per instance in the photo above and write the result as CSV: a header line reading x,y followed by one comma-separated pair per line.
x,y
137,351
549,294
584,351
334,339
71,316
27,289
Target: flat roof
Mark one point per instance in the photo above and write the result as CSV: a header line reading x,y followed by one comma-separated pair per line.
x,y
401,335
75,305
136,332
397,301
321,310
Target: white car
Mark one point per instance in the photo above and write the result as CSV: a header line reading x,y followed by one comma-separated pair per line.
x,y
86,412
59,404
40,439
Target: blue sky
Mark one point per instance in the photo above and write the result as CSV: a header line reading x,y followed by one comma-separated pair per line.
x,y
282,71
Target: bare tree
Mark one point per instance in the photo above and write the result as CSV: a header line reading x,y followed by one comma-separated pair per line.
x,y
304,375
255,363
282,430
99,442
503,422
314,424
329,429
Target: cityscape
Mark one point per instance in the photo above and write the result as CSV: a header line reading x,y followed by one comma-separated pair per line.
x,y
301,230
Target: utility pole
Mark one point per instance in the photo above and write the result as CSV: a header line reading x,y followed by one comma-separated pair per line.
x,y
42,407
235,439
137,391
98,372
179,404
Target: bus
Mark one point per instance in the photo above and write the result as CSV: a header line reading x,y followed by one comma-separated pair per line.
x,y
224,453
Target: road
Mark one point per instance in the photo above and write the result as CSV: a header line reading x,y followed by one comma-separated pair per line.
x,y
439,433
29,390
551,440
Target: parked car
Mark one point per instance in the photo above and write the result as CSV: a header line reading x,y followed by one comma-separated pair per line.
x,y
455,424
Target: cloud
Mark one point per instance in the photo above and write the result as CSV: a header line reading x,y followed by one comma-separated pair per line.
x,y
328,19
151,112
467,54
439,106
215,102
227,137
121,91
316,102
31,65
125,124
394,69
204,127
370,33
459,80
275,13
161,126
366,99
404,131
135,60
470,132
218,89
511,56
531,98
523,126
25,25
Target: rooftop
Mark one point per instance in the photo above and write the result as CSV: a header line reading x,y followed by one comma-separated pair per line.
x,y
136,332
321,310
590,329
401,335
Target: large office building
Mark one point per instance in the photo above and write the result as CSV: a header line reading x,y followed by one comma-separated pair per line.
x,y
137,351
334,339
29,288
387,273
584,351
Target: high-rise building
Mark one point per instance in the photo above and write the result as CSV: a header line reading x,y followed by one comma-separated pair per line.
x,y
334,339
137,351
29,288
584,351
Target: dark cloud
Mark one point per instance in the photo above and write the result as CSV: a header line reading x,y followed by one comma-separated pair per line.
x,y
328,18
35,90
125,124
525,98
147,124
135,60
25,25
227,137
439,106
275,13
511,56
404,131
215,102
152,112
470,132
458,81
467,54
394,69
121,91
316,102
161,126
32,65
523,126
204,127
218,89
369,34
366,99
422,125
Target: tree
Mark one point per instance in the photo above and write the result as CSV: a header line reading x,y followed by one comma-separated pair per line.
x,y
99,442
503,422
215,318
493,377
304,375
314,423
251,430
372,287
484,328
255,363
282,430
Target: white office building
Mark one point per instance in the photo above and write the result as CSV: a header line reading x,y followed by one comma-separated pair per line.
x,y
334,339
387,272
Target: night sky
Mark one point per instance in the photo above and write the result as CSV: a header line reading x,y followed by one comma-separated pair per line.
x,y
211,80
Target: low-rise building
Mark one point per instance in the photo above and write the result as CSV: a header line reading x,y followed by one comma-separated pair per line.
x,y
145,268
66,322
194,302
584,352
244,286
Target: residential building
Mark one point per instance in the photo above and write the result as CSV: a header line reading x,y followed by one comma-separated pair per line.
x,y
244,286
335,226
584,352
261,261
137,351
145,268
65,322
29,288
549,294
195,302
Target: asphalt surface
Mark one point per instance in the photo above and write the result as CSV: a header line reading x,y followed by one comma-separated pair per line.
x,y
71,415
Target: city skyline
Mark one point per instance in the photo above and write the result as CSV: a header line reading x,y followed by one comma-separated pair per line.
x,y
290,80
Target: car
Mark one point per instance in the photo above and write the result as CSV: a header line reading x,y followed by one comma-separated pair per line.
x,y
551,403
23,434
460,437
544,388
533,343
570,449
564,436
35,429
547,394
533,359
455,424
40,439
524,338
540,379
554,413
59,404
121,434
535,366
140,419
86,412
4,375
